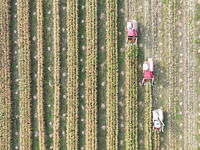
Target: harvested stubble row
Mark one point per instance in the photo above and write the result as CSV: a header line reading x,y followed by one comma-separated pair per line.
x,y
56,37
131,97
112,76
5,91
91,75
147,119
24,74
40,89
171,74
72,78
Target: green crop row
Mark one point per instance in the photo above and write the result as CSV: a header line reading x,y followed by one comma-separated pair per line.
x,y
5,89
91,75
131,96
40,81
72,78
24,74
112,76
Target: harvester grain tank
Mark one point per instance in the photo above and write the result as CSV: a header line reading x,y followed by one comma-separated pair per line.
x,y
158,120
148,68
132,30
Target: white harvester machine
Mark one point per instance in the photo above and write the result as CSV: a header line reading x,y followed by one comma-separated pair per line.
x,y
158,120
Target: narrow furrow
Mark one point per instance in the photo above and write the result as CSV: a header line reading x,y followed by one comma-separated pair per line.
x,y
56,36
24,74
72,75
5,89
91,75
112,76
40,89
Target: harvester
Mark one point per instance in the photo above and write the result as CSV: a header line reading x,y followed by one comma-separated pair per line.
x,y
158,120
132,29
148,68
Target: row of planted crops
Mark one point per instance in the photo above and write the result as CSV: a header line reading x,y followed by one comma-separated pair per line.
x,y
131,130
5,91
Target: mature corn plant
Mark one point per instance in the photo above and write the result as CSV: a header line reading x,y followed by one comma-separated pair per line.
x,y
24,74
91,75
5,89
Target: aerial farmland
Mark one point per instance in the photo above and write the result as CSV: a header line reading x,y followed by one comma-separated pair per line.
x,y
99,74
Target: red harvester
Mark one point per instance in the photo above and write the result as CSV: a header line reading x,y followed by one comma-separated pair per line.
x,y
148,68
132,29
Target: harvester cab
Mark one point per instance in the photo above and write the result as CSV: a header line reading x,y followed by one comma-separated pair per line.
x,y
148,68
132,29
158,120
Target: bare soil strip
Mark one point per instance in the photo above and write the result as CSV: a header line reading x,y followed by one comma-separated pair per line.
x,y
24,74
5,90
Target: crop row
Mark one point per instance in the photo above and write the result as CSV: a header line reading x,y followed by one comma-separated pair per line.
x,y
56,37
91,75
5,90
72,78
112,76
147,119
156,141
131,97
24,74
40,81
